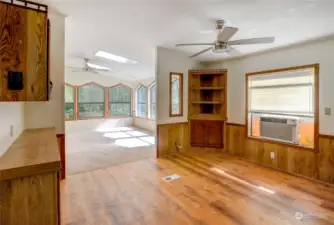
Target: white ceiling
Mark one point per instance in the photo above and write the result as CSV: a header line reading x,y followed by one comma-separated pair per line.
x,y
134,28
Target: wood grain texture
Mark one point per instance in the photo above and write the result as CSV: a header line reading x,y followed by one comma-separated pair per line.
x,y
35,151
289,159
30,200
214,189
172,138
23,48
62,152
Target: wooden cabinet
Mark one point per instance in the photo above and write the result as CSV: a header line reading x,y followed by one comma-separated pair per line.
x,y
207,107
24,45
207,133
29,180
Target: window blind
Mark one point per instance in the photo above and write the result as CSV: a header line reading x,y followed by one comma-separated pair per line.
x,y
289,92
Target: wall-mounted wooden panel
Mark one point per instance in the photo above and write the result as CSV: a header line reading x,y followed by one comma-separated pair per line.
x,y
289,159
23,48
172,138
61,146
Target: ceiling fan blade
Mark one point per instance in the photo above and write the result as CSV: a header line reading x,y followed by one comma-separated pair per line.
x,y
226,33
201,52
192,44
262,40
233,51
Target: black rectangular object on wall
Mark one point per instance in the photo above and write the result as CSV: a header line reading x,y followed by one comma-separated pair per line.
x,y
15,80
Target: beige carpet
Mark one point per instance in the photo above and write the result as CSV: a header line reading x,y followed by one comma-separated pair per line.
x,y
90,150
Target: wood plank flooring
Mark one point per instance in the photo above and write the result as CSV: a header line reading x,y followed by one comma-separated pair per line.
x,y
213,189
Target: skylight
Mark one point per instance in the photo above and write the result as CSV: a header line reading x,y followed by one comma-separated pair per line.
x,y
116,58
98,67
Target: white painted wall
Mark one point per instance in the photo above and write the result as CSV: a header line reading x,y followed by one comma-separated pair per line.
x,y
51,113
11,114
318,52
145,124
96,124
167,61
80,78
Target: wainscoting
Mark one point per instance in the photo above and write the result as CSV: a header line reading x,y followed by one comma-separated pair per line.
x,y
172,138
61,146
317,165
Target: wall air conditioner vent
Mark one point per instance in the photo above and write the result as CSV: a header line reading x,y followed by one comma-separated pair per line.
x,y
280,129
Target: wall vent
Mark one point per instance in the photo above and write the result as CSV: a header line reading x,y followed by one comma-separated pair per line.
x,y
171,178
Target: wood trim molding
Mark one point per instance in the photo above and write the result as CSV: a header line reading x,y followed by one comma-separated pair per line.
x,y
283,69
328,136
166,124
61,146
235,124
316,102
180,94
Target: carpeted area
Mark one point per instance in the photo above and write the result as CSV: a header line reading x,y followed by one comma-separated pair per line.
x,y
88,150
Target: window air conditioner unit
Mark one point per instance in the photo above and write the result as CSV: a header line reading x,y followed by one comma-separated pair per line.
x,y
280,129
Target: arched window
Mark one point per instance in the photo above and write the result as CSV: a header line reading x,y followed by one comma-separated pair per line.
x,y
69,102
141,101
152,111
91,101
119,101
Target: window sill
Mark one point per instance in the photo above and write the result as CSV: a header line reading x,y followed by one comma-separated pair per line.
x,y
282,144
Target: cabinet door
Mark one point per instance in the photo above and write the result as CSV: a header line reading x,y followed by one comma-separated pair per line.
x,y
197,133
214,134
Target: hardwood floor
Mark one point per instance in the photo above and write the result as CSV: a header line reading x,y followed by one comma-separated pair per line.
x,y
213,189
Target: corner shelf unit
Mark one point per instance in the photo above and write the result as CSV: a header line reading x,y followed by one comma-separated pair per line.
x,y
207,107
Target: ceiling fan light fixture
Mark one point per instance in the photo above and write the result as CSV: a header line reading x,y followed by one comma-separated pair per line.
x,y
116,58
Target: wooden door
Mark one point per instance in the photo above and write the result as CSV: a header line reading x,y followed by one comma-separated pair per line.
x,y
214,134
197,137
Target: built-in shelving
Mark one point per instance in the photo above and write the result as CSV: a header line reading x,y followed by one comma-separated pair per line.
x,y
208,88
207,107
206,102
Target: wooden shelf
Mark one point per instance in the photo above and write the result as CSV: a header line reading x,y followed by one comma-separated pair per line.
x,y
208,88
207,102
207,117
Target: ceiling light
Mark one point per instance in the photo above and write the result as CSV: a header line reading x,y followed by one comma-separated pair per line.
x,y
116,58
98,67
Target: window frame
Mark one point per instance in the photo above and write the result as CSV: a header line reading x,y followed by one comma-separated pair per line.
x,y
316,105
74,101
146,102
105,90
153,84
180,94
108,101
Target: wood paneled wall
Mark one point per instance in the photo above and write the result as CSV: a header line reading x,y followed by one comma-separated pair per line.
x,y
61,146
316,165
172,138
23,48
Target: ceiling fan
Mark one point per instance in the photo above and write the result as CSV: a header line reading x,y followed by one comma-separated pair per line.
x,y
90,67
222,44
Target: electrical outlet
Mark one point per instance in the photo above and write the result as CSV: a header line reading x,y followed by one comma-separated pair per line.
x,y
272,155
11,130
327,111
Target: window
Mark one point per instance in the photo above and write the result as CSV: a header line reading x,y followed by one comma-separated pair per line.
x,y
69,102
91,101
176,94
141,101
120,101
152,102
281,105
